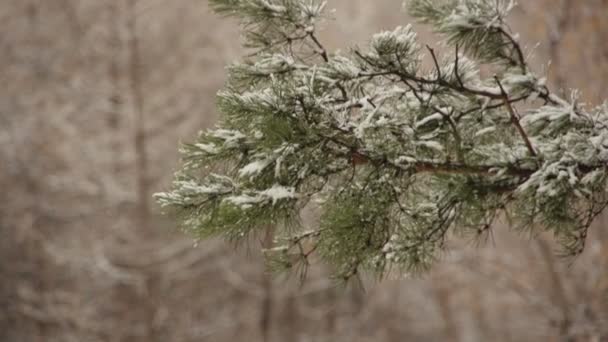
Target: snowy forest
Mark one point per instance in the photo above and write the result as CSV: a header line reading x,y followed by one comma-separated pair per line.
x,y
97,98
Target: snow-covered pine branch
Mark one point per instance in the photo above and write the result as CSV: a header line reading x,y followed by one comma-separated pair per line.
x,y
395,155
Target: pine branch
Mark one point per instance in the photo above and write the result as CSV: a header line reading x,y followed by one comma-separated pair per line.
x,y
396,156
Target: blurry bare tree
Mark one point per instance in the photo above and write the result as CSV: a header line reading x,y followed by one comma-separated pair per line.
x,y
94,97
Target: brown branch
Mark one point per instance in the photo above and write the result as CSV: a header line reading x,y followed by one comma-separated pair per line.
x,y
322,50
435,61
457,137
518,50
456,67
447,117
325,56
515,119
464,169
421,80
431,167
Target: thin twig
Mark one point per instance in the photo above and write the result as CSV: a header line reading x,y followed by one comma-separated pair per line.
x,y
435,61
515,119
323,51
456,72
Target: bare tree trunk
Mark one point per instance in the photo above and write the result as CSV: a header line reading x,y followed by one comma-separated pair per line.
x,y
584,20
139,137
396,328
450,326
71,12
268,296
479,313
558,290
600,29
29,250
331,317
114,71
505,315
558,27
289,318
149,300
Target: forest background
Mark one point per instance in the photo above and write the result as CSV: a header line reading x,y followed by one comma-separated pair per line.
x,y
94,98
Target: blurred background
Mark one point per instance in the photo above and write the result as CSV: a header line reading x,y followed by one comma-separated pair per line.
x,y
94,98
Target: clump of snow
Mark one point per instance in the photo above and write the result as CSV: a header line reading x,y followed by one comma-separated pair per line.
x,y
433,117
244,201
277,9
485,131
254,168
401,41
405,160
274,194
207,148
433,145
231,138
192,187
279,192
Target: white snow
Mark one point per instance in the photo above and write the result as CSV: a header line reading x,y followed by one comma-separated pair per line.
x,y
279,192
433,145
207,148
405,160
230,137
433,117
254,168
485,131
274,195
273,7
244,201
195,188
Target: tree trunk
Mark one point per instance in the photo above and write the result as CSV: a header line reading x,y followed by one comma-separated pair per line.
x,y
450,325
267,297
557,289
139,136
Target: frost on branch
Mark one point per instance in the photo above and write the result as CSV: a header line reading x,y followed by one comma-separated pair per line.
x,y
396,156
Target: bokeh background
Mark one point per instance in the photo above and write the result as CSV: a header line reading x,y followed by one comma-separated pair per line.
x,y
95,96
